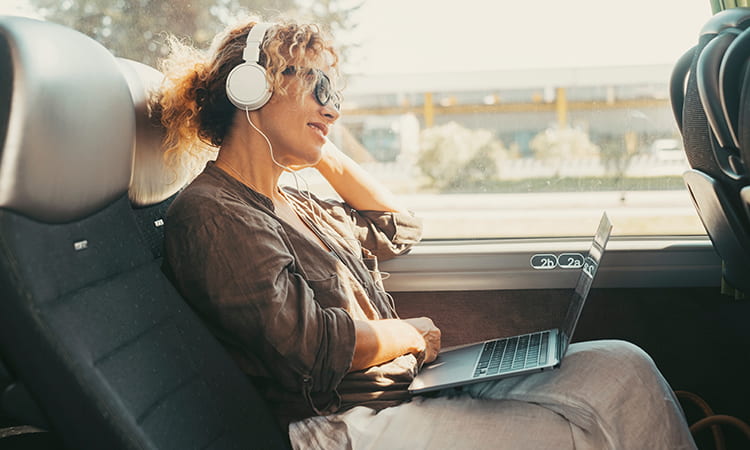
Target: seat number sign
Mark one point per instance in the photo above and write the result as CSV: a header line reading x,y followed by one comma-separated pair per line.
x,y
547,261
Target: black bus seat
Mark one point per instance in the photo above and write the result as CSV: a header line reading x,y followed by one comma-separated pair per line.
x,y
111,354
17,407
709,100
22,424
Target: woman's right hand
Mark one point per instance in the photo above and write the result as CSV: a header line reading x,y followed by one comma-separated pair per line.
x,y
431,335
379,341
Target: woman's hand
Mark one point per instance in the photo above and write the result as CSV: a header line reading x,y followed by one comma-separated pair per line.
x,y
431,335
380,341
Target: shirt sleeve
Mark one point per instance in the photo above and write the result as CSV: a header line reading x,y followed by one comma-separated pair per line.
x,y
385,234
238,273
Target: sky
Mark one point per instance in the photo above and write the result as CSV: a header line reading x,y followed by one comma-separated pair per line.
x,y
416,36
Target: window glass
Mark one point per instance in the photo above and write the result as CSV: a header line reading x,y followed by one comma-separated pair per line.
x,y
510,119
491,119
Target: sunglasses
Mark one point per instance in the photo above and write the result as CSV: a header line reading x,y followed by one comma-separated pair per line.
x,y
323,90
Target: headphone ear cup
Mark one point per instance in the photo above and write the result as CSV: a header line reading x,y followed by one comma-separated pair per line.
x,y
247,87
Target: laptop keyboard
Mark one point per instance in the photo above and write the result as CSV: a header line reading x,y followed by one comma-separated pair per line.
x,y
514,353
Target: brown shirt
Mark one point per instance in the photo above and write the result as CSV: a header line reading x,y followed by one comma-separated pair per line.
x,y
281,304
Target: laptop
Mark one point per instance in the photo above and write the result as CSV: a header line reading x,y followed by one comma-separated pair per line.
x,y
516,355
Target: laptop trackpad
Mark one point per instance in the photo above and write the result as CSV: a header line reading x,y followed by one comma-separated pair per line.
x,y
451,368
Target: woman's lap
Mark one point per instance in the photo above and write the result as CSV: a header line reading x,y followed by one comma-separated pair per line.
x,y
443,423
606,394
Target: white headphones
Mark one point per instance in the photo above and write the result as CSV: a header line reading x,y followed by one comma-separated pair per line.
x,y
247,86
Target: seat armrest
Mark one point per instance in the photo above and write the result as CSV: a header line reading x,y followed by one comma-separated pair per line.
x,y
17,404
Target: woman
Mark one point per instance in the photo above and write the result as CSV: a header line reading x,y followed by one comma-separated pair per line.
x,y
289,283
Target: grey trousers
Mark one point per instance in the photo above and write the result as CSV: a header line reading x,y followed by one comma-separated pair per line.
x,y
606,395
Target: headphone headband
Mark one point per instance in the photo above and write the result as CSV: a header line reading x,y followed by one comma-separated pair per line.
x,y
251,53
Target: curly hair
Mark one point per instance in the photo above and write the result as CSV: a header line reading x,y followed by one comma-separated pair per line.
x,y
193,104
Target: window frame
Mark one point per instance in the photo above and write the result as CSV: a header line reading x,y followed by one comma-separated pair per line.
x,y
504,264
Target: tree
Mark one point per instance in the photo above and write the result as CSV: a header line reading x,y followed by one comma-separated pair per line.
x,y
454,157
562,143
135,28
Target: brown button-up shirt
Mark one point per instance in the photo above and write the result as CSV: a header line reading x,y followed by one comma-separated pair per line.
x,y
281,304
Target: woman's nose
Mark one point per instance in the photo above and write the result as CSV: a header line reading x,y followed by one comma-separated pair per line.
x,y
330,112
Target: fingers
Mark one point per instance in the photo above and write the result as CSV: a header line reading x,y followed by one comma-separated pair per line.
x,y
431,335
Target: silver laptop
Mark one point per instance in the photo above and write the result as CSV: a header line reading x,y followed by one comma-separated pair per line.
x,y
516,355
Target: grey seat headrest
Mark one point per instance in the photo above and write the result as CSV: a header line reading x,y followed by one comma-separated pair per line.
x,y
67,122
152,180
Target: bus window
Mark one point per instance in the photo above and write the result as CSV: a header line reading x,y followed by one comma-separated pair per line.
x,y
525,127
491,119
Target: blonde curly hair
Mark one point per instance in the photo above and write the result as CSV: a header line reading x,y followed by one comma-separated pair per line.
x,y
192,103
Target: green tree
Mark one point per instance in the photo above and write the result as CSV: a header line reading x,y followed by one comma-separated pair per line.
x,y
453,157
135,28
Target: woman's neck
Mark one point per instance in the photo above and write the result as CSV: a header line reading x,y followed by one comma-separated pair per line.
x,y
247,158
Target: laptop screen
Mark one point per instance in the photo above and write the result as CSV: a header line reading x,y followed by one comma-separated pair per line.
x,y
585,279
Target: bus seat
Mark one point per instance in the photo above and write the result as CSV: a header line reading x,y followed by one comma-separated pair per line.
x,y
153,184
707,93
105,346
152,180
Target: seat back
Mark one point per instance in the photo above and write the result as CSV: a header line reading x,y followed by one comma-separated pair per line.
x,y
153,185
109,351
710,101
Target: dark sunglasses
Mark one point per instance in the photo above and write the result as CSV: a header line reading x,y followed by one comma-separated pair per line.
x,y
323,90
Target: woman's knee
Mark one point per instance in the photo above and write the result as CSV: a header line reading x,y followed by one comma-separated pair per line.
x,y
615,356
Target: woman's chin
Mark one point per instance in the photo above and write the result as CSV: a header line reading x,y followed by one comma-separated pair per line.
x,y
302,163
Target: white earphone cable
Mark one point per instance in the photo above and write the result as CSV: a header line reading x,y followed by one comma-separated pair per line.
x,y
295,176
293,203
